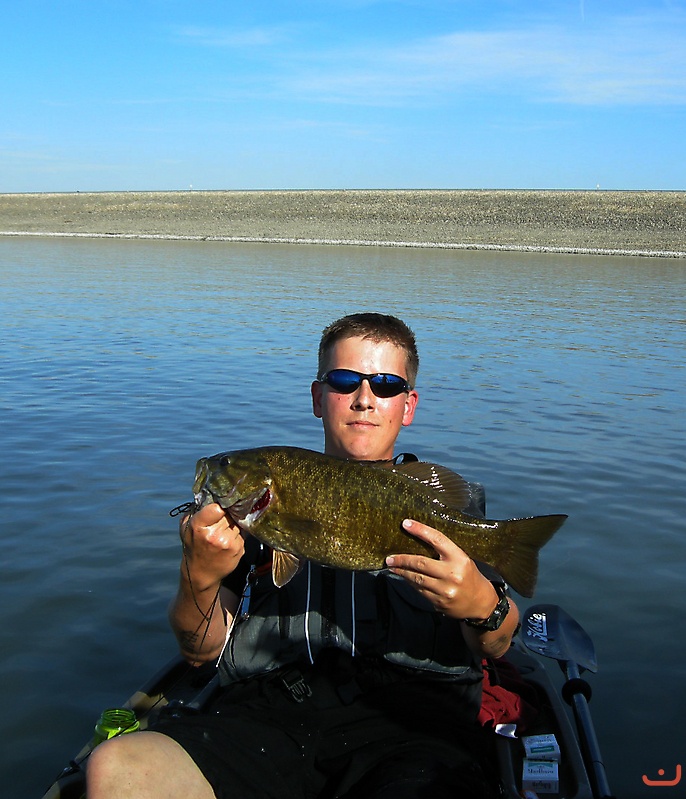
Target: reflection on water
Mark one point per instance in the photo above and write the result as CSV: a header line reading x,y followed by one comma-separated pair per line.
x,y
558,381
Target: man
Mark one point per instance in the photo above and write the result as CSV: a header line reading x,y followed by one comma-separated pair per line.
x,y
340,683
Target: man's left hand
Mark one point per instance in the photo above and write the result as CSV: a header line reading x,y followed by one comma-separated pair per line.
x,y
452,582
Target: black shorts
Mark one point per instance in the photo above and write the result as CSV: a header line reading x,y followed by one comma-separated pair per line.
x,y
381,738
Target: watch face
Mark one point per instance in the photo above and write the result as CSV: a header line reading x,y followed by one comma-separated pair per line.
x,y
496,618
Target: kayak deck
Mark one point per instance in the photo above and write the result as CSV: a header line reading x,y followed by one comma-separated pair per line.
x,y
177,682
552,718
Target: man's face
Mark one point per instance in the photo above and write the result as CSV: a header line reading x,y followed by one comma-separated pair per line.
x,y
361,425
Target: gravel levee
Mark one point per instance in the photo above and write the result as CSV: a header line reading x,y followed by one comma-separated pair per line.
x,y
639,223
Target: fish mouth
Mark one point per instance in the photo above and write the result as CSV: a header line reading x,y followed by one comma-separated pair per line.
x,y
244,510
248,510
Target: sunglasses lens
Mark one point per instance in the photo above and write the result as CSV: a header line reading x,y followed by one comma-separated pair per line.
x,y
345,381
388,385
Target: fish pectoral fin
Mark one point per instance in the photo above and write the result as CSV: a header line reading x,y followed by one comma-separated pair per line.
x,y
285,565
453,488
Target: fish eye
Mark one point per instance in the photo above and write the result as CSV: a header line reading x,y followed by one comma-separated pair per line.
x,y
225,460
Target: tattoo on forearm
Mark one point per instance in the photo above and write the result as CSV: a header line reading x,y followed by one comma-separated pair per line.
x,y
188,640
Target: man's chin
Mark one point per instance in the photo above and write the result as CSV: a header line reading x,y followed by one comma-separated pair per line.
x,y
363,448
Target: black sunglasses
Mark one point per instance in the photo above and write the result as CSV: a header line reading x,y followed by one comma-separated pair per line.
x,y
345,381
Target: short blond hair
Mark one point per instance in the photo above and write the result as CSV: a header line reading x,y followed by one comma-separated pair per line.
x,y
376,327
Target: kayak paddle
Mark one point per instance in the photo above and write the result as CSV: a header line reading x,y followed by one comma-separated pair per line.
x,y
549,631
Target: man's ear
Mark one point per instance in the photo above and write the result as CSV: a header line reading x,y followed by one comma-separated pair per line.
x,y
316,391
410,407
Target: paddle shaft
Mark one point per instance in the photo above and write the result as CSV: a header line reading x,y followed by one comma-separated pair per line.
x,y
589,741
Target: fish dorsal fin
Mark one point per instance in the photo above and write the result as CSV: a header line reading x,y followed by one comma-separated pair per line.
x,y
285,566
452,487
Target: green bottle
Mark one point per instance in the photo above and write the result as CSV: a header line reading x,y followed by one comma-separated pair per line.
x,y
112,722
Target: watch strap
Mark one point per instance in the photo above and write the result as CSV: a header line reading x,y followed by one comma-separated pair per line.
x,y
498,616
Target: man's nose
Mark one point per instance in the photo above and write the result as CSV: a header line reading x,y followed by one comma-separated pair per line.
x,y
364,396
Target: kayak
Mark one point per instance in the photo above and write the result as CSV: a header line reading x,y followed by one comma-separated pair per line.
x,y
572,768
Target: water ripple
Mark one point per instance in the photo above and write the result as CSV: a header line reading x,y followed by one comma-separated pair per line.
x,y
557,381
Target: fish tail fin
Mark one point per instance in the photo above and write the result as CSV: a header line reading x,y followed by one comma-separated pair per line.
x,y
518,563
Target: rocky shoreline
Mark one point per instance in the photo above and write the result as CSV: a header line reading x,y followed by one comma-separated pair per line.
x,y
647,223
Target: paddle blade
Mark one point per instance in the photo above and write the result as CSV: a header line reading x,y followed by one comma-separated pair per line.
x,y
550,631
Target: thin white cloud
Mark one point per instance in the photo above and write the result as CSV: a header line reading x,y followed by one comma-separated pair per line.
x,y
630,60
633,60
260,37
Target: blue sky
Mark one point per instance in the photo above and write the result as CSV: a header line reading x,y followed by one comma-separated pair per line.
x,y
262,94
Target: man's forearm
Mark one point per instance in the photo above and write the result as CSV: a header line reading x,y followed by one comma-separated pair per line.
x,y
202,610
199,618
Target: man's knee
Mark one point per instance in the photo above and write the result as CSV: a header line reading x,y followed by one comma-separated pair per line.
x,y
106,764
144,765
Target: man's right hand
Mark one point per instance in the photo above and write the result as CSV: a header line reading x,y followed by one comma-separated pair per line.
x,y
213,545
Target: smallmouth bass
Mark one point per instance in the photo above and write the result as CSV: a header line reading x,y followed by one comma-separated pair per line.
x,y
348,514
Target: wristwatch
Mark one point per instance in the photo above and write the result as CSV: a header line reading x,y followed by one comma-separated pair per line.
x,y
498,616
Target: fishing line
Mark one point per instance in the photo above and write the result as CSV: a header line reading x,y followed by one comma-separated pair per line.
x,y
188,507
206,617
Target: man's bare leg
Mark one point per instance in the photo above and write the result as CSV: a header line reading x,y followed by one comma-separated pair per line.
x,y
144,765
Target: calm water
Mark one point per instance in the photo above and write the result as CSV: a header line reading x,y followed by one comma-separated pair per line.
x,y
558,381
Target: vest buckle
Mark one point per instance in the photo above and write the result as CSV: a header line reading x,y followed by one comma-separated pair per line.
x,y
294,682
